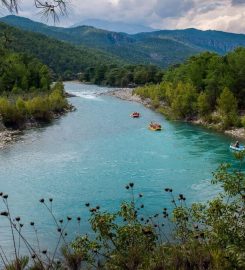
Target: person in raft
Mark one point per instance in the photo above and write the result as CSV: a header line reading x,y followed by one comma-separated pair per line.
x,y
237,144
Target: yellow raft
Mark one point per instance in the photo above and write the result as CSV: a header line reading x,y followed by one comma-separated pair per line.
x,y
155,127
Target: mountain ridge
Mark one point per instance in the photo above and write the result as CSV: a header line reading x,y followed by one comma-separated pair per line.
x,y
162,48
116,26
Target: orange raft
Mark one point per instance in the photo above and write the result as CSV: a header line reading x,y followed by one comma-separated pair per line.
x,y
155,127
135,115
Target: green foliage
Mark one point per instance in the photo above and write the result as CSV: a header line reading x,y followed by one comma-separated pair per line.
x,y
19,73
203,104
197,88
25,90
183,99
180,98
227,107
15,111
20,264
201,236
162,48
70,62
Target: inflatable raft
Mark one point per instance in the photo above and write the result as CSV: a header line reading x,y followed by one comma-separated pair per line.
x,y
135,115
155,127
240,148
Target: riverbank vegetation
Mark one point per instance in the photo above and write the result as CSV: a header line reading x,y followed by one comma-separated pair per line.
x,y
200,236
26,96
209,87
123,76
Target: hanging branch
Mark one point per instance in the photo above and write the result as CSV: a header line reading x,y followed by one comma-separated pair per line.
x,y
49,8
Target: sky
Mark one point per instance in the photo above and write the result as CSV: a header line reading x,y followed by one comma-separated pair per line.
x,y
226,15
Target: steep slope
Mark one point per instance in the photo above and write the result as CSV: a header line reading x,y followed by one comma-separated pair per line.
x,y
163,48
63,58
216,41
132,48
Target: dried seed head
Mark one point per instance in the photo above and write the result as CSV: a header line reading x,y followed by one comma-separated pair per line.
x,y
87,204
166,189
69,218
4,213
5,196
142,206
32,223
59,229
33,256
61,221
140,195
97,207
50,199
21,225
41,200
1,194
44,251
202,235
78,219
17,219
127,187
131,185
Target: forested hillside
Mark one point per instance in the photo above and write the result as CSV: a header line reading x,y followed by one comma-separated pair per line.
x,y
208,86
162,48
64,59
70,62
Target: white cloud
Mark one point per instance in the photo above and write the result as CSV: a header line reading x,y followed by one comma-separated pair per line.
x,y
227,15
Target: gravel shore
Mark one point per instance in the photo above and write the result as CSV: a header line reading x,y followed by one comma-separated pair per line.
x,y
127,94
8,136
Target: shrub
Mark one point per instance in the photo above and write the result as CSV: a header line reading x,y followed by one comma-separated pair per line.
x,y
228,108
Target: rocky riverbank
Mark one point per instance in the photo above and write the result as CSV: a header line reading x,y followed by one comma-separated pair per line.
x,y
127,94
8,135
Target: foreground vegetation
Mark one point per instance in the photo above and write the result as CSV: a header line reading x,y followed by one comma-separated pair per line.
x,y
200,236
208,86
25,92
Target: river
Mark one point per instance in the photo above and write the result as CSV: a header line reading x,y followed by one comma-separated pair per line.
x,y
91,154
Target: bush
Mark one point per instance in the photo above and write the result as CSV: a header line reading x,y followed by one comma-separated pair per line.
x,y
37,105
228,108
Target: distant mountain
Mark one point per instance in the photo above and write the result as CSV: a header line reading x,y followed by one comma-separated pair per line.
x,y
115,26
211,40
162,48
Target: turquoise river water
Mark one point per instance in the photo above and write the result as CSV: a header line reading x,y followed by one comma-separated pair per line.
x,y
91,154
